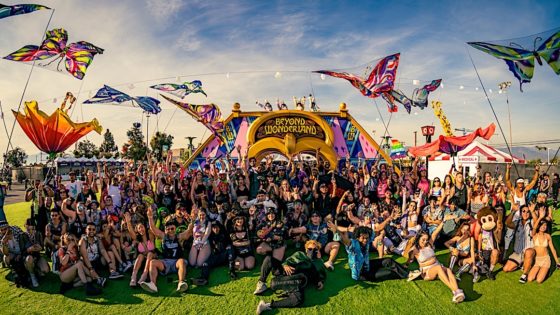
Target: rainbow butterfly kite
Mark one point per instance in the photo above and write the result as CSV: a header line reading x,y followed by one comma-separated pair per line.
x,y
181,90
11,10
109,95
381,81
521,60
77,56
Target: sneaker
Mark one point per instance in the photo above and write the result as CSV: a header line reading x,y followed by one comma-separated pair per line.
x,y
523,278
413,275
115,275
476,277
233,275
490,275
261,287
458,296
127,266
101,281
92,290
263,306
149,287
182,286
34,281
329,265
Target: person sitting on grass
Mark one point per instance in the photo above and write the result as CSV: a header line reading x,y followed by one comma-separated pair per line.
x,y
520,221
542,242
362,268
462,248
94,254
53,231
423,252
292,276
172,255
34,261
71,269
145,248
317,231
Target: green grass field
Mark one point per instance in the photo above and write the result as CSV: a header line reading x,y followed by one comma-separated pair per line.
x,y
341,295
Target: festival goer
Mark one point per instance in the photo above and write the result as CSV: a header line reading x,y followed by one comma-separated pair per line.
x,y
542,242
200,250
242,245
53,231
362,268
291,277
272,233
423,252
145,249
71,268
462,248
520,221
172,260
95,256
34,262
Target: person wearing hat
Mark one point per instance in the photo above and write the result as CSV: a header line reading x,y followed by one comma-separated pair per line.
x,y
272,234
222,253
271,187
324,202
38,195
433,214
319,231
13,246
292,277
242,245
261,200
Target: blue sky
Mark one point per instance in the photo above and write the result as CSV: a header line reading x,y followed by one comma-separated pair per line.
x,y
205,40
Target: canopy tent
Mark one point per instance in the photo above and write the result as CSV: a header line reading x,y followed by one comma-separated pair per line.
x,y
472,155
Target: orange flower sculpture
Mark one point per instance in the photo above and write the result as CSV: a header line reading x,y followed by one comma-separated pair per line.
x,y
55,133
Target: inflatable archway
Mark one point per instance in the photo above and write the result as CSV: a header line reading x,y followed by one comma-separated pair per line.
x,y
289,132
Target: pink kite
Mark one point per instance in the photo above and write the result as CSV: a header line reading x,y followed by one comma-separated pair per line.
x,y
452,144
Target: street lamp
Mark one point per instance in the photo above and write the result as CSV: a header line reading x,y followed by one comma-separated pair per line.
x,y
503,89
428,132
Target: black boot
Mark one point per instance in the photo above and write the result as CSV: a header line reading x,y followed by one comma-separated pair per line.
x,y
232,273
92,290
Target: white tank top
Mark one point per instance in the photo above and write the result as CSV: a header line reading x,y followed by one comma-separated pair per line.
x,y
516,199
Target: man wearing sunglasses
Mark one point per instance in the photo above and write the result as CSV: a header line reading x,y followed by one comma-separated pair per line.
x,y
172,255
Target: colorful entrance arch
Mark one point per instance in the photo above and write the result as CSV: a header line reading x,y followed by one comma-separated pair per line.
x,y
289,132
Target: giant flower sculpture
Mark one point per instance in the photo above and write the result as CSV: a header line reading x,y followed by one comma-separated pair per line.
x,y
55,133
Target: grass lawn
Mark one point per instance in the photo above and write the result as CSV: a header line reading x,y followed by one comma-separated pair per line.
x,y
341,295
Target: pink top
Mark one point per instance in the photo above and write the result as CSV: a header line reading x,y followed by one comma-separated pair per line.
x,y
424,185
149,244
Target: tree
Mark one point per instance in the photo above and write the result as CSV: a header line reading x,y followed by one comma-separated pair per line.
x,y
135,149
161,143
108,148
15,157
534,162
86,149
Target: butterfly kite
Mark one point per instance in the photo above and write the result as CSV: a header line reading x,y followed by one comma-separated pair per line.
x,y
380,82
77,56
109,95
521,60
11,10
208,114
181,90
419,96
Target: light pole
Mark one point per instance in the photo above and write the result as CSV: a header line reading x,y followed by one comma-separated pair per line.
x,y
147,130
503,89
190,147
547,153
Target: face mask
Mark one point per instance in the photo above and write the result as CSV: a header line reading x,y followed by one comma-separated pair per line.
x,y
312,253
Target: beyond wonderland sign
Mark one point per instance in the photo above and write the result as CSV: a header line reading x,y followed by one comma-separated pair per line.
x,y
298,126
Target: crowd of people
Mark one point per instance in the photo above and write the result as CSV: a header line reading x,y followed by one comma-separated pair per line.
x,y
156,218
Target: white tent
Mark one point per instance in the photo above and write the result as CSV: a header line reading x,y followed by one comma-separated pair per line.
x,y
474,154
